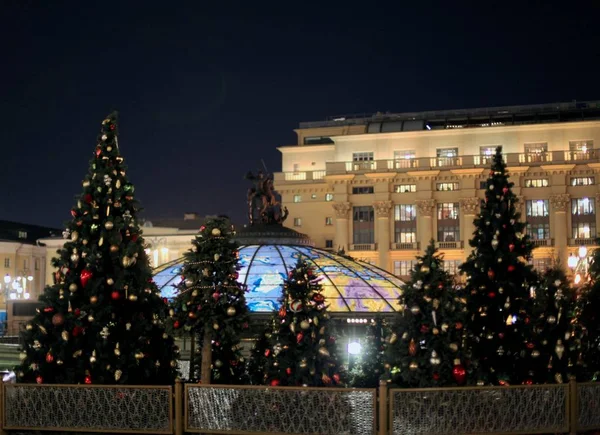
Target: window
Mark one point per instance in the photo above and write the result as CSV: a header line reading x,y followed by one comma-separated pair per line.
x,y
362,190
448,234
536,151
581,146
329,197
313,196
404,159
582,207
541,264
37,264
448,211
584,230
538,231
7,262
537,182
328,220
405,223
296,167
297,222
537,208
363,228
317,140
486,154
582,181
444,187
25,264
447,156
297,198
452,267
405,188
329,244
362,157
483,184
22,234
404,267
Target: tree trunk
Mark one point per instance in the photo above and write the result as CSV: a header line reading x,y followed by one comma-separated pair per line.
x,y
206,357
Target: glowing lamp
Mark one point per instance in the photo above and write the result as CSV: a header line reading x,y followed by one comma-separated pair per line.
x,y
354,348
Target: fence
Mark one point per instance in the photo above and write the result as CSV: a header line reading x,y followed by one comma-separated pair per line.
x,y
253,410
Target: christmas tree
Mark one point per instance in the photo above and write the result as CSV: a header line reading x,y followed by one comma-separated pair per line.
x,y
587,323
556,344
368,368
499,281
301,350
424,348
102,320
258,361
210,304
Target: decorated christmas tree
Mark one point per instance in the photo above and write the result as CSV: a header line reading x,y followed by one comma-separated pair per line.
x,y
301,350
368,367
258,361
587,324
556,343
102,320
210,304
424,348
499,280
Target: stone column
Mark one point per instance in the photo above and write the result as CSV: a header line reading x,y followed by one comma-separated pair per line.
x,y
470,209
342,212
425,208
382,210
560,204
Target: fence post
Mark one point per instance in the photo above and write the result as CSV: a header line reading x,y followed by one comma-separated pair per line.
x,y
573,406
383,408
178,407
2,408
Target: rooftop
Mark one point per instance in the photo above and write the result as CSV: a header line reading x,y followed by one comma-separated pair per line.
x,y
25,233
466,118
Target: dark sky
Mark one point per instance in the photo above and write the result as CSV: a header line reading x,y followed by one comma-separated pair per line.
x,y
205,92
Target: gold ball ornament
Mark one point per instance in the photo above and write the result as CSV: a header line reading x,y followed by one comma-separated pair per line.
x,y
535,353
415,309
139,355
218,363
133,298
64,335
93,299
110,281
216,232
73,287
194,293
127,261
216,326
304,324
189,282
59,362
425,268
114,248
216,257
173,363
29,326
22,356
90,318
109,225
231,311
413,365
323,351
118,374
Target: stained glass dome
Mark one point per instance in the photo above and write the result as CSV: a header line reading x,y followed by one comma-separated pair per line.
x,y
349,285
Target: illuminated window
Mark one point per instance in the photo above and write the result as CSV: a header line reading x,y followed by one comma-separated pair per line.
x,y
452,266
363,225
297,198
22,234
405,188
297,222
329,197
362,190
584,230
313,196
448,211
444,187
537,208
537,182
362,157
581,146
405,223
447,156
328,220
538,231
7,262
403,267
541,264
583,218
582,181
582,207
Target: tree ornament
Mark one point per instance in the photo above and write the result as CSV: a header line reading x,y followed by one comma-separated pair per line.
x,y
85,276
458,372
323,352
118,374
115,295
304,324
58,319
109,225
491,187
39,380
216,326
425,269
126,261
217,256
491,274
435,360
393,338
415,309
216,232
413,365
559,349
110,281
49,358
117,350
296,306
495,244
551,319
511,247
274,382
231,311
510,268
189,282
93,357
535,353
218,364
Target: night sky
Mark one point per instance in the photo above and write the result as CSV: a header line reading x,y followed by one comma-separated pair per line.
x,y
205,93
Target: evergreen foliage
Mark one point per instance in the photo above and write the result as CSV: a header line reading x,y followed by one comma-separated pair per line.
x,y
368,368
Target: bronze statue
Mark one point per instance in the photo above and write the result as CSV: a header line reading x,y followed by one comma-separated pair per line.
x,y
263,206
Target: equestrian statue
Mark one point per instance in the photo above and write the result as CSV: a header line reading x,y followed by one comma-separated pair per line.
x,y
263,205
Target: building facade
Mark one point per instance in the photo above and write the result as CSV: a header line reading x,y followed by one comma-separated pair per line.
x,y
381,187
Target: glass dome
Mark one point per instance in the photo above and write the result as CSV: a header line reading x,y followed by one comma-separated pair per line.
x,y
348,285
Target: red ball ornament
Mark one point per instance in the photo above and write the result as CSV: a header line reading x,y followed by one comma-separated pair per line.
x,y
58,319
288,371
459,373
202,228
49,310
511,247
491,274
39,380
530,345
134,238
436,376
296,306
176,324
85,276
275,382
528,382
216,295
77,312
336,378
88,379
491,295
112,126
319,298
501,335
299,337
267,353
424,329
458,325
511,268
115,295
49,358
88,198
282,312
505,190
98,151
77,330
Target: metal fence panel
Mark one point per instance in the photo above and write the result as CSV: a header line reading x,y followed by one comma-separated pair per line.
x,y
281,410
532,409
588,406
111,409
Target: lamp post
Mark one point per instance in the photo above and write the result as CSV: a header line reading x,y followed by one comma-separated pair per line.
x,y
579,264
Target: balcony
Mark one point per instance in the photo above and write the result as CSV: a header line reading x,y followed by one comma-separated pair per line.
x,y
437,163
450,245
587,241
404,246
363,247
542,242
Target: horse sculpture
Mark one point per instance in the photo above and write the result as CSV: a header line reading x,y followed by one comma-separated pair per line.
x,y
263,206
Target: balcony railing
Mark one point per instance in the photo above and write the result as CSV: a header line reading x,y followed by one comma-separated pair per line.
x,y
404,246
542,242
587,241
363,247
300,175
450,245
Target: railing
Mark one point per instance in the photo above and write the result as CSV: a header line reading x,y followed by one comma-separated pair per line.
x,y
551,408
282,410
450,245
300,175
542,242
363,247
398,246
582,241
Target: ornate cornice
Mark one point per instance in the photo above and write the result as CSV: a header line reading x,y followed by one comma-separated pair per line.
x,y
560,201
470,206
425,206
382,208
342,209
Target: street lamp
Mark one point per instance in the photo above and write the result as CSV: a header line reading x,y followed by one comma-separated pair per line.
x,y
579,264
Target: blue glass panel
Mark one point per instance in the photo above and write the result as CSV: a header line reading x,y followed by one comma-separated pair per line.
x,y
264,279
167,279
